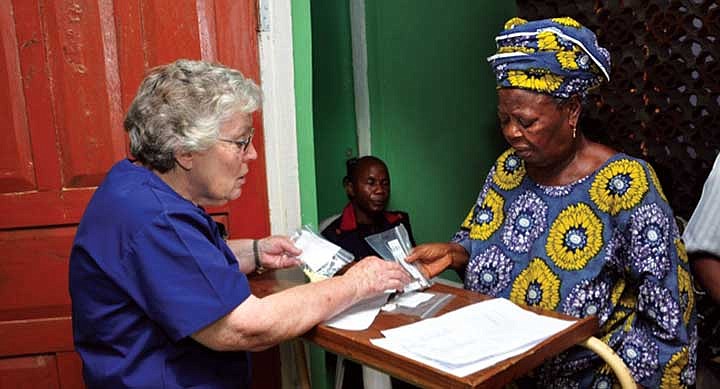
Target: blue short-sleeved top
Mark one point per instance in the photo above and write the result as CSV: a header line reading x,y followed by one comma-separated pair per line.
x,y
148,269
605,245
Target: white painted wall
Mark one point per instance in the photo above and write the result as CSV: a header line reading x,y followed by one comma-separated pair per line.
x,y
278,84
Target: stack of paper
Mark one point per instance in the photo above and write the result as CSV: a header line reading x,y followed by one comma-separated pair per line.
x,y
472,338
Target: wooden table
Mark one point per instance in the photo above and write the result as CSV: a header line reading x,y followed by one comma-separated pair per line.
x,y
356,345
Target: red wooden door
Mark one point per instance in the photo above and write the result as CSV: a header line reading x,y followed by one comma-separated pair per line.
x,y
68,71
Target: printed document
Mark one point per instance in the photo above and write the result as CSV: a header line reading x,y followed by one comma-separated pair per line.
x,y
471,338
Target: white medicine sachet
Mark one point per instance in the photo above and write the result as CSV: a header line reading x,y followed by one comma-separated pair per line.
x,y
315,252
320,258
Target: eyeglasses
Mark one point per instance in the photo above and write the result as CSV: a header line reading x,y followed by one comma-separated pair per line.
x,y
242,145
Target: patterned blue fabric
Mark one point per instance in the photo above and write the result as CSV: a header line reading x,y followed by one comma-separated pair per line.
x,y
605,245
556,56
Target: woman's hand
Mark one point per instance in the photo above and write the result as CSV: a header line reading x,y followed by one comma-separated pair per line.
x,y
372,276
433,258
277,252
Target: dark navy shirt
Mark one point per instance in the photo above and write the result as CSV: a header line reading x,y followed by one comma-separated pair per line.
x,y
348,234
147,270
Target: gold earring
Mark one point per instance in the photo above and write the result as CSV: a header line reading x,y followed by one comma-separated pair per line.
x,y
574,130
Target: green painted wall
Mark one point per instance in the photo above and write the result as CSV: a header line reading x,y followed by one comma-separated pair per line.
x,y
302,57
433,104
302,67
432,101
333,101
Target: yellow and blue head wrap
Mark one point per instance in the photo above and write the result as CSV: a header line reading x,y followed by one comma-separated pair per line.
x,y
556,56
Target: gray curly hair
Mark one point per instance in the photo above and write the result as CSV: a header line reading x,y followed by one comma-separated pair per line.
x,y
181,106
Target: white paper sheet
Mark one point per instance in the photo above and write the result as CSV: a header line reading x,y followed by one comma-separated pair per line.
x,y
360,316
473,337
412,299
459,371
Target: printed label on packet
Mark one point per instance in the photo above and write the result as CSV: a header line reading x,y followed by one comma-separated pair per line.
x,y
399,254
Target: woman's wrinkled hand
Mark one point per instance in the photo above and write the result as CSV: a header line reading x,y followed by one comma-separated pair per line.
x,y
372,276
277,252
433,258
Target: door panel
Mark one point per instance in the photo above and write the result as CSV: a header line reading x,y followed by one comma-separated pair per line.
x,y
69,69
35,89
173,32
83,68
68,362
80,63
29,372
16,172
34,267
130,48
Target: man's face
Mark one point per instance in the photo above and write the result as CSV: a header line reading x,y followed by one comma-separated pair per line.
x,y
370,190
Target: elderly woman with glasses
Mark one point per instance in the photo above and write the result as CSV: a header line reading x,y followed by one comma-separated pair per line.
x,y
567,224
159,299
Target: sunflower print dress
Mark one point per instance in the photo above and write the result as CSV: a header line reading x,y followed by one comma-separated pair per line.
x,y
605,245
